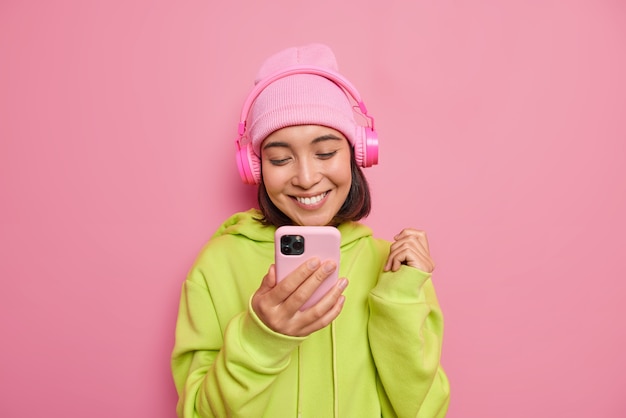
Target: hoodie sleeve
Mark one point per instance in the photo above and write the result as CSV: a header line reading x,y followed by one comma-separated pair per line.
x,y
405,333
229,374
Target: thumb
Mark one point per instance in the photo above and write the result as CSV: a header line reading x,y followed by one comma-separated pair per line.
x,y
269,280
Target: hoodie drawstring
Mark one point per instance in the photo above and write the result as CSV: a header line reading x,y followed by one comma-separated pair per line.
x,y
335,382
299,401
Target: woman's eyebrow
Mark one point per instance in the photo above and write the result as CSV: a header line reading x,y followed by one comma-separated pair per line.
x,y
281,144
326,138
276,144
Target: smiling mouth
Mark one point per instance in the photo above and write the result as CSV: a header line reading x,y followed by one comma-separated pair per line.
x,y
311,200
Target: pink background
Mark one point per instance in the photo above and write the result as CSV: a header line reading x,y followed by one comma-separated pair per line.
x,y
503,133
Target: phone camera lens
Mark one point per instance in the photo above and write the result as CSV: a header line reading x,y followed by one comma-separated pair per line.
x,y
292,244
297,244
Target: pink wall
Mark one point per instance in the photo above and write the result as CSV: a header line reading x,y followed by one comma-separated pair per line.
x,y
503,134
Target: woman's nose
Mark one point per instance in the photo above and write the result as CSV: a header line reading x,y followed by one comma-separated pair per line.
x,y
307,175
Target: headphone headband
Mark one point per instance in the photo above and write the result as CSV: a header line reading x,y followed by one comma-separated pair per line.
x,y
300,69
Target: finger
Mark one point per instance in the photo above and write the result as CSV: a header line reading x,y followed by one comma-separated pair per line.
x,y
393,265
293,280
417,234
262,294
409,241
401,251
330,298
390,262
408,244
418,240
303,323
419,261
323,318
269,280
394,258
411,256
306,289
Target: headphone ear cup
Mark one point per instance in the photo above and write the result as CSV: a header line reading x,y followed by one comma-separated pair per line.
x,y
366,147
255,165
371,147
248,164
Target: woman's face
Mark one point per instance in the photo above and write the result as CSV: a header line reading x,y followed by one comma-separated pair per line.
x,y
306,172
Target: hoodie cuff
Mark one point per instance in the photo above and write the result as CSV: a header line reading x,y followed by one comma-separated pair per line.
x,y
402,286
265,346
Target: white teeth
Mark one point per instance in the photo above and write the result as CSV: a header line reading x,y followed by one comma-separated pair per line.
x,y
311,200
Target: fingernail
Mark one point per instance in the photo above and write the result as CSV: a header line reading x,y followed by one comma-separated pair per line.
x,y
313,263
343,283
328,267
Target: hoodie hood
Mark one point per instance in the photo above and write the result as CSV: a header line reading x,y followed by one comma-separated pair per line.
x,y
248,225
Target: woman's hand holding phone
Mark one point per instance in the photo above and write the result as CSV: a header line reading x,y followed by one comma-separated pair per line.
x,y
278,304
301,292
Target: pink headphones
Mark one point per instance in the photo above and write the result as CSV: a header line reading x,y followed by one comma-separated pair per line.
x,y
366,142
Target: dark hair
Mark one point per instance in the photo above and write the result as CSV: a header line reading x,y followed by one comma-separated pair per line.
x,y
357,205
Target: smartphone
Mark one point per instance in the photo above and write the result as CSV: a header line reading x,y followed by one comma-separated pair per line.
x,y
296,244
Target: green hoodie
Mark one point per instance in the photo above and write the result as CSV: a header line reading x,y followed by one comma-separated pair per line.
x,y
380,357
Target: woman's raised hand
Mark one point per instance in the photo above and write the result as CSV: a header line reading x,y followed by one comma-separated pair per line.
x,y
410,247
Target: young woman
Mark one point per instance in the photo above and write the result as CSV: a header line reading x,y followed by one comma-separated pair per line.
x,y
368,349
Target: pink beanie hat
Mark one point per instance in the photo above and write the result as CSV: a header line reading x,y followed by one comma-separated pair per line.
x,y
300,99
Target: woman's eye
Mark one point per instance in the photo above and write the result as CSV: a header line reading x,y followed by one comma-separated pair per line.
x,y
326,155
281,161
